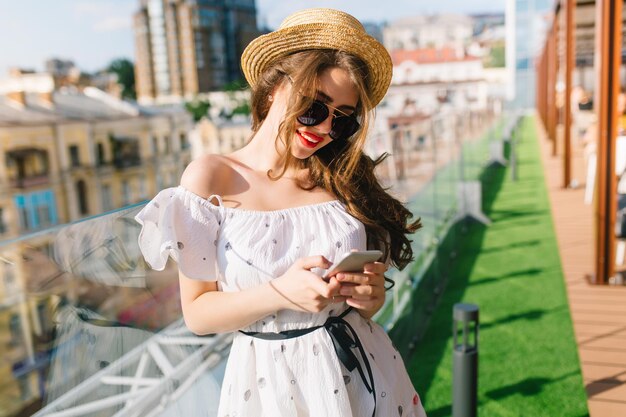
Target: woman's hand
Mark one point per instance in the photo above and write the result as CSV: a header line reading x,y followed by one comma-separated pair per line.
x,y
302,290
364,291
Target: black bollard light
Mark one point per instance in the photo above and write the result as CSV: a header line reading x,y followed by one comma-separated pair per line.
x,y
465,361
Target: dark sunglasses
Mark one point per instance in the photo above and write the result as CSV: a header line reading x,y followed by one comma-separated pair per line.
x,y
342,127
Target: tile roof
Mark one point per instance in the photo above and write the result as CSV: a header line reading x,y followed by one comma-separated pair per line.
x,y
429,56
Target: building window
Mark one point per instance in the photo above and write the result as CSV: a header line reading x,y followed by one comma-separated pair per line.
x,y
74,156
155,145
522,63
168,146
36,210
522,5
142,189
125,151
184,143
43,316
25,165
44,216
100,154
107,199
81,192
3,226
25,223
8,277
15,330
125,193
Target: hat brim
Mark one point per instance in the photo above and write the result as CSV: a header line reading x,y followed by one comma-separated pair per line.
x,y
266,49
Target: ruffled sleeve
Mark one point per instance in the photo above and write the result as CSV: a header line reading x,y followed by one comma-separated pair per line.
x,y
182,225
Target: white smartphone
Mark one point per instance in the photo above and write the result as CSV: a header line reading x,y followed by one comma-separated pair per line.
x,y
352,262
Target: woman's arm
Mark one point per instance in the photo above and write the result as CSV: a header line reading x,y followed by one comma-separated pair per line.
x,y
207,310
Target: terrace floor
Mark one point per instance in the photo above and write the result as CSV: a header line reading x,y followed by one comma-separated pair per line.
x,y
598,312
512,270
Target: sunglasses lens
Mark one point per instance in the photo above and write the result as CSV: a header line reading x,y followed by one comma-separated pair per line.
x,y
343,127
315,115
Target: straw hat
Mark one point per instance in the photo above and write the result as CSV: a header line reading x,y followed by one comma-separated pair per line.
x,y
320,29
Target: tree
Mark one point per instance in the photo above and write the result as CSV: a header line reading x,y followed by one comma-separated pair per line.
x,y
236,85
198,108
242,108
125,71
496,57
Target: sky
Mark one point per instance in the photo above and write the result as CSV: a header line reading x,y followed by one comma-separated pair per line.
x,y
92,33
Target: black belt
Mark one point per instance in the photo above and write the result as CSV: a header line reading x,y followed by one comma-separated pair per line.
x,y
344,338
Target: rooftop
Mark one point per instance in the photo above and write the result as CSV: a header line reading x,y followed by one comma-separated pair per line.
x,y
430,56
32,99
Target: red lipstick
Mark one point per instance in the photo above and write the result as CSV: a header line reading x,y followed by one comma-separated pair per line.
x,y
309,139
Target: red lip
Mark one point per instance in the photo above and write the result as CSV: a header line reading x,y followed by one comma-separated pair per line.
x,y
306,142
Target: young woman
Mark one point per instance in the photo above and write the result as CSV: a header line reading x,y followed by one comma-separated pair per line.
x,y
253,232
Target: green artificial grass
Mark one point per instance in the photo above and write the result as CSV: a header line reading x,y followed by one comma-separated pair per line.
x,y
528,362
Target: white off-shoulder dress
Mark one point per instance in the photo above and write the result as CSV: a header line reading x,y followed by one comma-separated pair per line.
x,y
299,376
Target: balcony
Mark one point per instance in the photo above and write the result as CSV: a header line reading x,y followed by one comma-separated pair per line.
x,y
27,167
583,140
127,161
30,181
125,152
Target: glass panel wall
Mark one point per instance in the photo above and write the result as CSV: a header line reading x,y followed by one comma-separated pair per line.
x,y
88,328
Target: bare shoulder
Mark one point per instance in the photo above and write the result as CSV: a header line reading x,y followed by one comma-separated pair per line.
x,y
207,175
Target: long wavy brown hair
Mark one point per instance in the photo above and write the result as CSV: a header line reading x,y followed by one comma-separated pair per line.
x,y
340,167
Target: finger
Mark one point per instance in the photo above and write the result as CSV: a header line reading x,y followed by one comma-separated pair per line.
x,y
377,280
334,285
356,278
361,305
361,290
375,267
360,297
338,299
317,261
322,288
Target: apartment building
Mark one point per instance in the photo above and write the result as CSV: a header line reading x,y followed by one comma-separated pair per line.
x,y
66,155
428,31
186,47
220,136
426,79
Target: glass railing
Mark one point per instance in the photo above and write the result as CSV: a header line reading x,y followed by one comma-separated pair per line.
x,y
451,154
87,328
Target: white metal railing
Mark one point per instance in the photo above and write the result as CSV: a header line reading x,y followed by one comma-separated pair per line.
x,y
158,380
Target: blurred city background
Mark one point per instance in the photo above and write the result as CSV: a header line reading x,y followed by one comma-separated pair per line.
x,y
506,132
